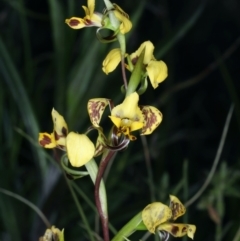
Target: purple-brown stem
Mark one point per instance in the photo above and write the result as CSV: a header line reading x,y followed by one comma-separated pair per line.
x,y
124,73
103,218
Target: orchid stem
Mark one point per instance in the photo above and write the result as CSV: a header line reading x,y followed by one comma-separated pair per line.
x,y
104,219
124,73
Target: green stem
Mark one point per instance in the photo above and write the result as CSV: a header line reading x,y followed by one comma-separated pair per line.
x,y
120,37
129,228
114,21
80,210
136,76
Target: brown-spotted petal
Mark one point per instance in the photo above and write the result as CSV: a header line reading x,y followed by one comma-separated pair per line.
x,y
96,108
178,229
60,126
155,214
177,207
76,23
47,140
101,140
152,119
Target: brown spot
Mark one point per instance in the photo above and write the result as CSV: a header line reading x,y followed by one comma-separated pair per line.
x,y
134,60
64,131
175,209
45,141
88,22
174,229
184,230
73,22
56,136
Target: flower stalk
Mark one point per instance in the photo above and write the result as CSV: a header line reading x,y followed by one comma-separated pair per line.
x,y
97,193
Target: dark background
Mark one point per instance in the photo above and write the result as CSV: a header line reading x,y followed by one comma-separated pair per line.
x,y
45,64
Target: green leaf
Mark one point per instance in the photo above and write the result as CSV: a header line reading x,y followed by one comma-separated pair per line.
x,y
134,224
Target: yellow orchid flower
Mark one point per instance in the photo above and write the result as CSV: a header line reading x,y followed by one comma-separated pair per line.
x,y
156,70
53,234
79,147
157,216
58,137
129,117
91,18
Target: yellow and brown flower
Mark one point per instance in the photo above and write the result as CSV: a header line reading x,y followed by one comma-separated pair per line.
x,y
158,216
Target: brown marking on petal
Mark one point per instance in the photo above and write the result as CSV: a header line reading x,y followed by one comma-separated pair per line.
x,y
150,119
73,22
174,230
134,60
96,109
64,131
177,209
56,136
88,22
45,141
184,230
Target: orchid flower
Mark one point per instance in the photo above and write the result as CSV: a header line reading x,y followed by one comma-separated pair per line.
x,y
79,147
158,217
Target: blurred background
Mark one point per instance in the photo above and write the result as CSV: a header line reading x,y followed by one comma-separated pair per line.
x,y
45,64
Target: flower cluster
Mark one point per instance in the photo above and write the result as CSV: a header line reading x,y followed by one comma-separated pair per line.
x,y
125,119
155,70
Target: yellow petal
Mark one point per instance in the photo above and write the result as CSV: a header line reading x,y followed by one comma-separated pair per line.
x,y
75,23
178,229
91,6
155,214
129,109
111,61
47,140
80,149
136,125
60,126
177,207
148,56
152,119
87,12
126,24
157,72
96,108
116,121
